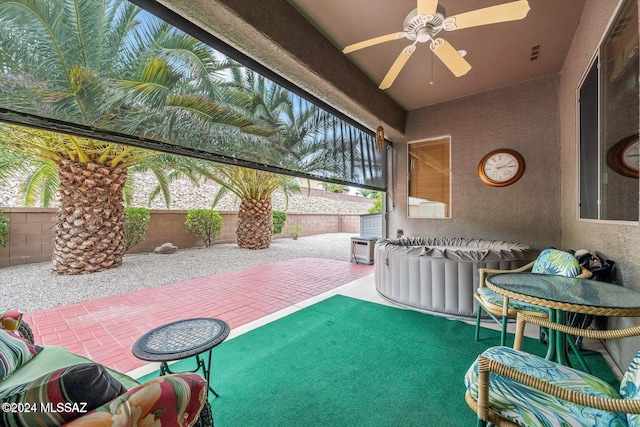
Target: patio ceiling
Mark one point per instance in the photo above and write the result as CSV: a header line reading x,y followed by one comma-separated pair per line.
x,y
302,41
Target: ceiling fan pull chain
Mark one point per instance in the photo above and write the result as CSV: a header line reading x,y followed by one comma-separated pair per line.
x,y
431,79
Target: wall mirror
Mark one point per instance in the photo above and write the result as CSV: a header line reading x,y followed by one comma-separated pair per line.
x,y
429,178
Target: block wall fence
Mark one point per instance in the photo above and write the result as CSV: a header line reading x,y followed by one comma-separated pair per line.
x,y
31,231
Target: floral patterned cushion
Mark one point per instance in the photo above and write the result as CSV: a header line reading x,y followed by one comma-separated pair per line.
x,y
630,387
60,396
15,351
527,406
497,299
10,319
171,400
554,261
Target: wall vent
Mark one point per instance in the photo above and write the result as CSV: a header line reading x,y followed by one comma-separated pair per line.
x,y
535,52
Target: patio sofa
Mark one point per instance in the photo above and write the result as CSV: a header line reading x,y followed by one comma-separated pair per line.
x,y
50,386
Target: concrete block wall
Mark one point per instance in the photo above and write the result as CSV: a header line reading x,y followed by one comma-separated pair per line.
x,y
30,236
168,226
31,231
321,224
164,227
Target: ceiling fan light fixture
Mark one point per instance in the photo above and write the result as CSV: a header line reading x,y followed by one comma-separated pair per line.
x,y
424,23
423,27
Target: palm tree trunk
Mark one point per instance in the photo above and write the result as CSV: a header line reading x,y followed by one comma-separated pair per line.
x,y
255,224
89,230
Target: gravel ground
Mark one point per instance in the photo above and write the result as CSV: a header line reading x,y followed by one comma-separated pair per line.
x,y
34,286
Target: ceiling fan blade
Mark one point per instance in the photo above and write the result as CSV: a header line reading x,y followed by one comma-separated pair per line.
x,y
450,57
397,67
489,15
373,41
427,7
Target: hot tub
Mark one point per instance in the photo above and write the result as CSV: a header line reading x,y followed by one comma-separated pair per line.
x,y
439,274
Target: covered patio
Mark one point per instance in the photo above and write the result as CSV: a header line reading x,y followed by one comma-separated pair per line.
x,y
105,329
523,102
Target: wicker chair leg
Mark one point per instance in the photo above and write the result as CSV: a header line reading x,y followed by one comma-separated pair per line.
x,y
205,419
24,330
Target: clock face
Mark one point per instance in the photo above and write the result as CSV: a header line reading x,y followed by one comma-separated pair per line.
x,y
501,167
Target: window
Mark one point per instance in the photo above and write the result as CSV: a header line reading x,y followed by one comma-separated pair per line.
x,y
609,109
429,178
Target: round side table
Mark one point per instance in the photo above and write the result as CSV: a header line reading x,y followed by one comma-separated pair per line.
x,y
180,340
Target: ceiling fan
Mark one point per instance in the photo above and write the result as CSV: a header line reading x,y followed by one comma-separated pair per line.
x,y
425,22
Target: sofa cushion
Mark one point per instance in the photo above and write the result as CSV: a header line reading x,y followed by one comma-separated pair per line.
x,y
51,358
60,396
171,400
15,351
10,319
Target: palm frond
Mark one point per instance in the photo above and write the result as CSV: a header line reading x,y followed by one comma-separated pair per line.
x,y
40,185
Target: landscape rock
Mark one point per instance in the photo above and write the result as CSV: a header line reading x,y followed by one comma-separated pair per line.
x,y
166,248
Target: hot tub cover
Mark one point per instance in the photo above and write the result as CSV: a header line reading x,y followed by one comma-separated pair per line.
x,y
457,249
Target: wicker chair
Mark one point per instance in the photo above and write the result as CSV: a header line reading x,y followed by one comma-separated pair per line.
x,y
509,387
550,261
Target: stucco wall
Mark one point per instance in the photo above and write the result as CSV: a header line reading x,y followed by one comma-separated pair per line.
x,y
523,117
617,241
31,231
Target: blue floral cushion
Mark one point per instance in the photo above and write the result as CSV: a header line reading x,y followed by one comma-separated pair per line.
x,y
497,299
630,387
554,261
528,406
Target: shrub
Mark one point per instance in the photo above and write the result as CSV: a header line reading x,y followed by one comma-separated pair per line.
x,y
205,224
295,231
377,203
279,218
4,229
136,223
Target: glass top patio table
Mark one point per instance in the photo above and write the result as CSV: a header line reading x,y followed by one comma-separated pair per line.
x,y
567,294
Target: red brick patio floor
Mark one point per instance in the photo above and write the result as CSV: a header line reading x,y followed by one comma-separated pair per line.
x,y
105,329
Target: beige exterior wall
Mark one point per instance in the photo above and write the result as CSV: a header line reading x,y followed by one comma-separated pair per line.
x,y
31,231
617,241
523,117
538,119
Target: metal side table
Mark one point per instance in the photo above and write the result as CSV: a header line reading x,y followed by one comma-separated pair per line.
x,y
180,340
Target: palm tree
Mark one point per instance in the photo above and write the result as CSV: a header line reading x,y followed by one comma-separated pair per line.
x,y
304,137
254,188
89,178
299,141
107,65
364,192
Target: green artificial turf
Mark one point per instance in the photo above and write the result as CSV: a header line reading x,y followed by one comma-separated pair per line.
x,y
347,362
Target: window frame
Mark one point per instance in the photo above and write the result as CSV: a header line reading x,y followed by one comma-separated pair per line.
x,y
596,61
449,206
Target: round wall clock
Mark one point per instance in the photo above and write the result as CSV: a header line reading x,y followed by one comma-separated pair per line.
x,y
500,168
623,157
